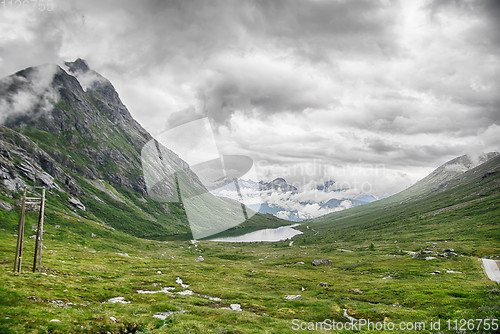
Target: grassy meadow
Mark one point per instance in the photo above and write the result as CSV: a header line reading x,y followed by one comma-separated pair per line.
x,y
81,273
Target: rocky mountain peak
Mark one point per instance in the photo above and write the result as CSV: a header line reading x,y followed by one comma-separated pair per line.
x,y
76,116
79,65
279,184
327,186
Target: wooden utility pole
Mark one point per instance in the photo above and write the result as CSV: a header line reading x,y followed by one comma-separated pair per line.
x,y
39,236
20,236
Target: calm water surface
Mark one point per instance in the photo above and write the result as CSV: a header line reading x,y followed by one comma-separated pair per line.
x,y
268,234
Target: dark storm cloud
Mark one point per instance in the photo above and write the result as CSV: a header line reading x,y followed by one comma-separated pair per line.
x,y
488,11
187,37
315,29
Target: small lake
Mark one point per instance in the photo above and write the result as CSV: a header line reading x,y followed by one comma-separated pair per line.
x,y
268,234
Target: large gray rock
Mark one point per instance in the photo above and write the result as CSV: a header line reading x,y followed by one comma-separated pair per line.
x,y
322,261
76,202
6,206
293,297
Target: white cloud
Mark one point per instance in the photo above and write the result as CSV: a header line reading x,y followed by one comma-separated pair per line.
x,y
31,94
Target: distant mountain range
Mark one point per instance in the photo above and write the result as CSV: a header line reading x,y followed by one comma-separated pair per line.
x,y
286,201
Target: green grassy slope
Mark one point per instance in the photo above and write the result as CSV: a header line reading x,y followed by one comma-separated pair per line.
x,y
464,208
86,263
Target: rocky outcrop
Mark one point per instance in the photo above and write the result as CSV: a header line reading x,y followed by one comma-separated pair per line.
x,y
104,140
322,261
21,159
76,203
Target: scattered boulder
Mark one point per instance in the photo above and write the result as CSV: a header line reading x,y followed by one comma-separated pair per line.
x,y
93,235
117,300
235,307
453,272
358,291
418,255
322,261
323,284
199,259
436,272
6,206
430,258
300,263
165,315
76,202
293,297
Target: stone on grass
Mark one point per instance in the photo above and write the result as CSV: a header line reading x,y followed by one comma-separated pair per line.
x,y
358,291
235,307
76,202
199,259
165,315
322,261
117,300
293,297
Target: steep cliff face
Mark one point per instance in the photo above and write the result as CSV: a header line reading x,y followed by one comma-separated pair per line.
x,y
68,130
90,132
21,159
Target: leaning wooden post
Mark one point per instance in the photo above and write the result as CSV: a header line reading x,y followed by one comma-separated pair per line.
x,y
39,236
20,236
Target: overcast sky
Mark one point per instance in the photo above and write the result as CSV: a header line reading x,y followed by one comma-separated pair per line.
x,y
378,91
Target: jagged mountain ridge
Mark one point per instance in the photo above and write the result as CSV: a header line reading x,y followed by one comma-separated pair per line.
x,y
94,121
